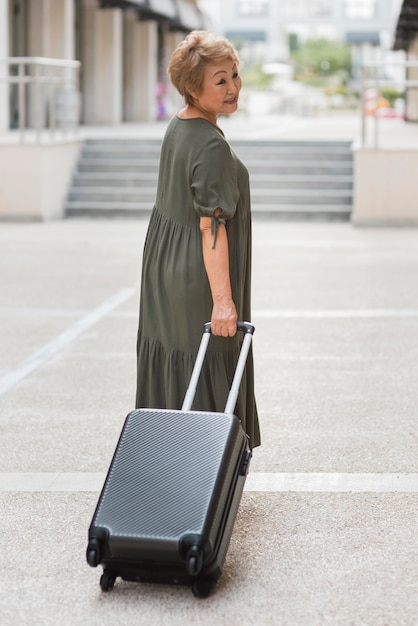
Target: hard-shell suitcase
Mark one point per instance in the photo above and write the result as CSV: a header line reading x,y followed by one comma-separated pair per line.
x,y
171,495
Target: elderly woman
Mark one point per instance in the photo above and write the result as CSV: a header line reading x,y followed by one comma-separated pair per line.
x,y
197,254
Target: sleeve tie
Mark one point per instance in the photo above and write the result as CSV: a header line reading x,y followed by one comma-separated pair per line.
x,y
215,221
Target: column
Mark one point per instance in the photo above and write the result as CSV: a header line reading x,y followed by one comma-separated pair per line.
x,y
39,28
102,65
62,35
174,99
4,68
141,71
51,28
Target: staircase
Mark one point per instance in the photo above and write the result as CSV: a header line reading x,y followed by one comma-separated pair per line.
x,y
291,180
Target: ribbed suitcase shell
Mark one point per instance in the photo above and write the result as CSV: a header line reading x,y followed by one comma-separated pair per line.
x,y
172,491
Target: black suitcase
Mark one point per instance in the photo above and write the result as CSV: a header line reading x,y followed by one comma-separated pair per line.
x,y
171,495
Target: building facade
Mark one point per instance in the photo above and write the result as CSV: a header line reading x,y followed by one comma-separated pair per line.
x,y
271,27
101,62
123,47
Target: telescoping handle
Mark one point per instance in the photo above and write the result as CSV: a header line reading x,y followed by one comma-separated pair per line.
x,y
248,330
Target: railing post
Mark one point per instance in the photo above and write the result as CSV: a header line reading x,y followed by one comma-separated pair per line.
x,y
363,106
21,101
38,102
51,102
376,108
77,111
65,92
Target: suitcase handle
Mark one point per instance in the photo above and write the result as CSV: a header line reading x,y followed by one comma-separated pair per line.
x,y
246,327
248,330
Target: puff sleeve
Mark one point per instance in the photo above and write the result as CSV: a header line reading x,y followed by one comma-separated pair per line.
x,y
214,180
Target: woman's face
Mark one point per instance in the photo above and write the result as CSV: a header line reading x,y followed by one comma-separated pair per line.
x,y
220,90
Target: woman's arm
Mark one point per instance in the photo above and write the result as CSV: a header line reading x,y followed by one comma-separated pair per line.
x,y
216,260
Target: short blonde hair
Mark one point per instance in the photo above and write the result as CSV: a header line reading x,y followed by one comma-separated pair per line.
x,y
188,61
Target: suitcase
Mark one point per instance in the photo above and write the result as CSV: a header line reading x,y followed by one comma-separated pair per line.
x,y
170,498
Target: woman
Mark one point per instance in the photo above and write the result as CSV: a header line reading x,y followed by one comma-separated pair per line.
x,y
197,254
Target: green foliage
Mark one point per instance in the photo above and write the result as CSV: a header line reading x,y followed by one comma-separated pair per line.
x,y
391,94
293,42
337,90
317,60
253,76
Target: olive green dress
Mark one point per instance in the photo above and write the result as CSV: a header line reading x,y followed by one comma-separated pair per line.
x,y
198,173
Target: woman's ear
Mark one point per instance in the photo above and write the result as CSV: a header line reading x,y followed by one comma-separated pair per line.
x,y
193,96
192,93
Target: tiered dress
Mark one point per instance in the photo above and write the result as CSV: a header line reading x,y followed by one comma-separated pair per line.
x,y
199,172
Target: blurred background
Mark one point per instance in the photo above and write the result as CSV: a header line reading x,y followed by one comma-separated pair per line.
x,y
104,61
307,57
69,65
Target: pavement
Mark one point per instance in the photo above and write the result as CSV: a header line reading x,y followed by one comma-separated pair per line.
x,y
383,133
327,529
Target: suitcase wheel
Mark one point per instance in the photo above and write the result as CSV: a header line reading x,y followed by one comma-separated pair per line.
x,y
203,588
93,558
107,580
194,561
93,553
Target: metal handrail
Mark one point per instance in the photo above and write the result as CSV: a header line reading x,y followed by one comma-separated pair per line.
x,y
371,77
55,85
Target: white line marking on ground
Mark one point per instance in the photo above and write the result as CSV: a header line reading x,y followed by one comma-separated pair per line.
x,y
333,483
35,360
333,313
319,482
372,247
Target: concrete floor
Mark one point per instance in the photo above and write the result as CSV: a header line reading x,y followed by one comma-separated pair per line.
x,y
327,529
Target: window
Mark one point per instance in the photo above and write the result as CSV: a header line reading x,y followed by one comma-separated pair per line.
x,y
307,8
360,9
252,8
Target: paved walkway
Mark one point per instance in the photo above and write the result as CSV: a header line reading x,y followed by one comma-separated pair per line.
x,y
333,125
327,529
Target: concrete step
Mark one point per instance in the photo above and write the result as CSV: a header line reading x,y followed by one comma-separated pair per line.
x,y
115,179
117,194
298,181
254,165
96,180
144,164
244,155
291,179
77,208
292,211
258,163
294,155
270,149
258,193
302,196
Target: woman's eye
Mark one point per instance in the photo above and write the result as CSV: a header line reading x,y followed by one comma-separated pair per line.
x,y
236,75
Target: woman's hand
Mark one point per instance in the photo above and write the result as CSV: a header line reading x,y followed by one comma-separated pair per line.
x,y
224,319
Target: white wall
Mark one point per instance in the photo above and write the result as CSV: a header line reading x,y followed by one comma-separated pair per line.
x,y
385,188
34,180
